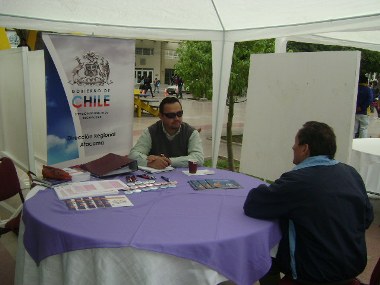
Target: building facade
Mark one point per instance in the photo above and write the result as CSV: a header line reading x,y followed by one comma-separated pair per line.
x,y
155,59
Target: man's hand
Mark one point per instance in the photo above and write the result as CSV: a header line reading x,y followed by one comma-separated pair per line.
x,y
158,162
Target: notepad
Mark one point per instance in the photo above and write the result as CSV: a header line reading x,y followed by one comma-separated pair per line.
x,y
153,170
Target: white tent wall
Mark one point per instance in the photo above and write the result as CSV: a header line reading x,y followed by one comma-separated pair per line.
x,y
15,108
214,20
303,87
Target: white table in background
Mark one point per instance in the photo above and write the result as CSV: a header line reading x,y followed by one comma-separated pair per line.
x,y
365,157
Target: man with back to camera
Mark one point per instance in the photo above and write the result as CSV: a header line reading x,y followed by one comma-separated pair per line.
x,y
323,209
169,141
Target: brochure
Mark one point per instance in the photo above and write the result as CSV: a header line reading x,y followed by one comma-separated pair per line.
x,y
89,203
89,188
204,184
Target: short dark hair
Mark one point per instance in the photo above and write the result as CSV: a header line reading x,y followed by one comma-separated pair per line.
x,y
363,78
320,137
167,100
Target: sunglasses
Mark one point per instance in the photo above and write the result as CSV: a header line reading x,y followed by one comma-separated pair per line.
x,y
173,115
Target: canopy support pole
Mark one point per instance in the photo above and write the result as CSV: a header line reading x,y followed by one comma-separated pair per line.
x,y
221,67
280,45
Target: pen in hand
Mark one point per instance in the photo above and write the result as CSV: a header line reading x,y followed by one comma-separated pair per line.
x,y
165,178
165,158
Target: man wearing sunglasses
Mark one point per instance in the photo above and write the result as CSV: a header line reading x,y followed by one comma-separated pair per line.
x,y
169,141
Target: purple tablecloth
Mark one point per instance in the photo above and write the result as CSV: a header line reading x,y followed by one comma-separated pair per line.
x,y
206,226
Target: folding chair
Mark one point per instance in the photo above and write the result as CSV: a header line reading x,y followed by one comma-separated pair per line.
x,y
375,278
9,187
286,280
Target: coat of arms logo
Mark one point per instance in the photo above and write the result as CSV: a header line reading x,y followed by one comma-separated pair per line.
x,y
91,70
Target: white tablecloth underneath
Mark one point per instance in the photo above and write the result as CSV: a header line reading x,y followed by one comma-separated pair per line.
x,y
111,266
365,157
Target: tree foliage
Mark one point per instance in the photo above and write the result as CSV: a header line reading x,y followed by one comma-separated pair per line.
x,y
370,60
195,67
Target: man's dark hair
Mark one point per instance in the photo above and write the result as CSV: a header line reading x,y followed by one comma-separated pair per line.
x,y
320,137
363,78
167,100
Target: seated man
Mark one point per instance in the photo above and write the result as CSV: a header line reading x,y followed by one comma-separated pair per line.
x,y
323,209
168,141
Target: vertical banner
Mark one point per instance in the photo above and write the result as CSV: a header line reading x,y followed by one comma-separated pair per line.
x,y
89,97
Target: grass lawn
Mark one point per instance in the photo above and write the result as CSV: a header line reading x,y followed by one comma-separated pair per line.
x,y
222,163
235,138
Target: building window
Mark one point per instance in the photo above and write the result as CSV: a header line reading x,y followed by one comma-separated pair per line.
x,y
171,54
144,51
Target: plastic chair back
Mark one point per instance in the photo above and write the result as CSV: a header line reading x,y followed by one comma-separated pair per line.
x,y
375,276
9,182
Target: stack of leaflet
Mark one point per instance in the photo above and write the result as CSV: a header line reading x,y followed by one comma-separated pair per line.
x,y
78,175
89,189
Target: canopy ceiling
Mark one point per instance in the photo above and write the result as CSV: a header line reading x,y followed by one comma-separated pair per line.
x,y
238,20
341,22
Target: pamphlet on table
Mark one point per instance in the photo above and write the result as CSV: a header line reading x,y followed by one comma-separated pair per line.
x,y
89,188
204,184
89,203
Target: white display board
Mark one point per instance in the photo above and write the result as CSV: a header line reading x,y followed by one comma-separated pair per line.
x,y
285,91
15,109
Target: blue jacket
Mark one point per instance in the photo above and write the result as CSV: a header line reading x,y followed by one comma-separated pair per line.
x,y
364,99
324,211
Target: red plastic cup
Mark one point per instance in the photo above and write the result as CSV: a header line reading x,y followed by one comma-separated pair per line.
x,y
193,166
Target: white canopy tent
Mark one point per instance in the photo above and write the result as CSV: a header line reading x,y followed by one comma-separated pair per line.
x,y
342,22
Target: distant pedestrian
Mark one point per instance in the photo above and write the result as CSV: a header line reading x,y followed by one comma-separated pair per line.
x,y
376,93
363,101
148,86
156,84
142,86
179,85
173,79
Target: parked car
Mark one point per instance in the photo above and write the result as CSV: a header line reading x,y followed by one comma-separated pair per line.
x,y
172,89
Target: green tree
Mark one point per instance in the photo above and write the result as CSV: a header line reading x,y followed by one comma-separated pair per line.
x,y
195,67
370,60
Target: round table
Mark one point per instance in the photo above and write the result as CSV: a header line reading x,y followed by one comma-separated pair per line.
x,y
365,157
166,233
